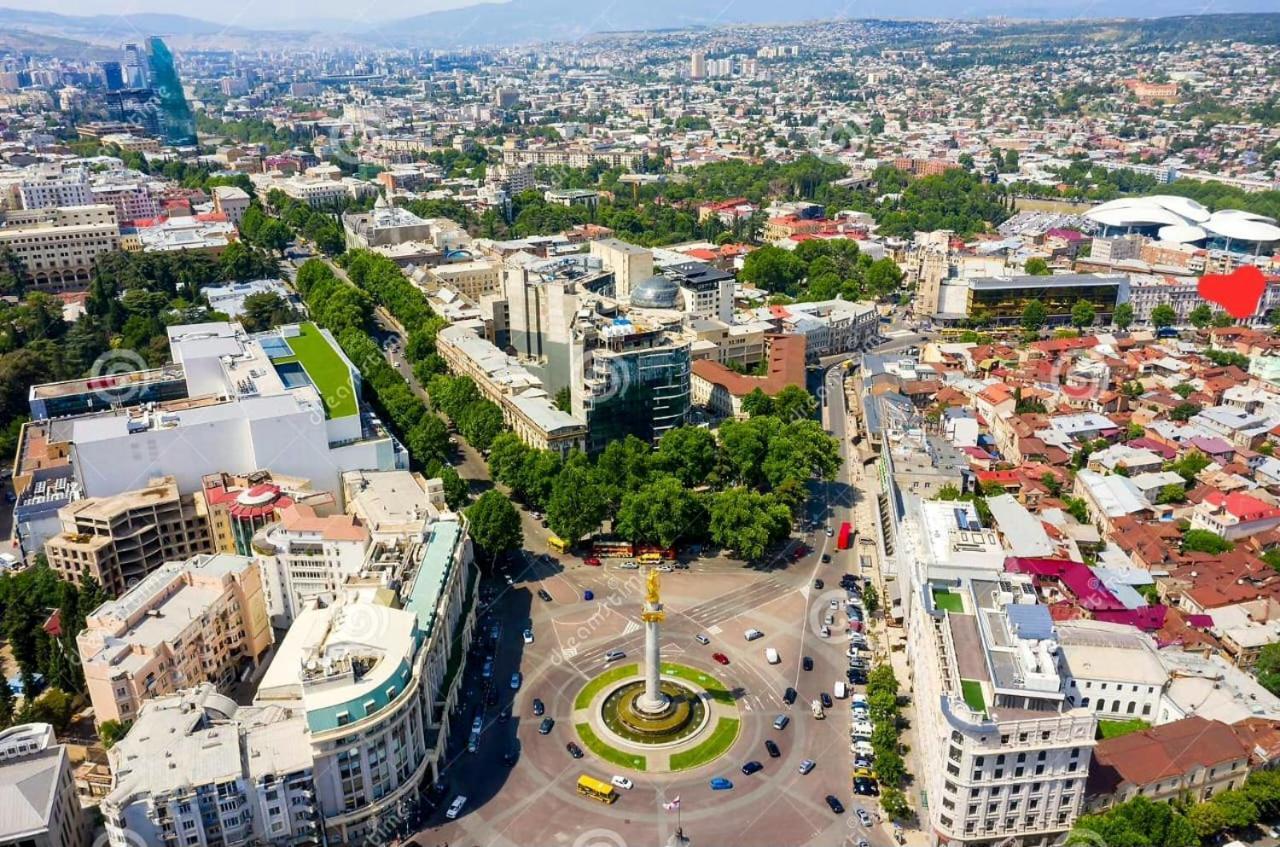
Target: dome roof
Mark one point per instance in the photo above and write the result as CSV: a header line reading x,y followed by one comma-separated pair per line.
x,y
656,292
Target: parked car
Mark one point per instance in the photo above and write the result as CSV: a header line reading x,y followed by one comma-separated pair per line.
x,y
629,566
455,808
826,700
478,723
574,750
528,635
719,783
806,766
538,708
542,593
544,728
789,696
835,804
864,818
512,755
752,767
807,663
721,658
588,595
818,585
516,679
592,561
752,634
865,787
771,656
826,558
825,631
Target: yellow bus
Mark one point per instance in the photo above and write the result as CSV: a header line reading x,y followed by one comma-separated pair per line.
x,y
596,790
650,558
557,543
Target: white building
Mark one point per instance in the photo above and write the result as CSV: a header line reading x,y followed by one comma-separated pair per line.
x,y
38,802
1113,669
305,556
231,201
49,187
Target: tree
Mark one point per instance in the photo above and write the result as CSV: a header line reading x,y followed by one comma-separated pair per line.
x,y
564,400
757,403
894,802
1204,541
12,273
1184,412
747,522
1171,493
774,269
870,599
1034,316
264,310
793,402
1267,668
1201,316
689,454
1082,315
112,731
1036,266
1140,822
577,504
495,525
456,491
662,512
1163,316
7,703
1122,317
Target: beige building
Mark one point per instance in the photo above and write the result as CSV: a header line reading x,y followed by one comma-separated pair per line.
x,y
304,556
120,539
231,201
472,279
41,808
58,247
193,621
631,265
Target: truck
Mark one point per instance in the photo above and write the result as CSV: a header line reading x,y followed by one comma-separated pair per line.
x,y
818,713
845,539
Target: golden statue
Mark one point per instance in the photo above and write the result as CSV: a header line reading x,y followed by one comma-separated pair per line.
x,y
652,611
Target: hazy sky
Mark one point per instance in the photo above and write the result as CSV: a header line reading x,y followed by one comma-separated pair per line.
x,y
272,11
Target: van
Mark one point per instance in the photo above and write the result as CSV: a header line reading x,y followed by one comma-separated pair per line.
x,y
840,689
771,656
752,634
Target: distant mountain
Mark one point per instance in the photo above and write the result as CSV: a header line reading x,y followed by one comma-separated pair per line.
x,y
112,29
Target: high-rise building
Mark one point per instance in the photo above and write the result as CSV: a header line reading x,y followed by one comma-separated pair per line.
x,y
41,808
175,122
698,65
114,75
193,621
304,556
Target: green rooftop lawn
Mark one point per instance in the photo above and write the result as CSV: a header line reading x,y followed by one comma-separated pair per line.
x,y
972,691
948,602
327,371
1115,729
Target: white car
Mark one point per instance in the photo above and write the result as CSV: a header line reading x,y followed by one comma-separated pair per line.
x,y
834,604
528,635
665,569
862,729
455,808
752,634
622,782
771,656
629,566
825,632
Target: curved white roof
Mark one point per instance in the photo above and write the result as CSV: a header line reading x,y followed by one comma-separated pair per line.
x,y
1135,216
1239,213
1242,229
1182,233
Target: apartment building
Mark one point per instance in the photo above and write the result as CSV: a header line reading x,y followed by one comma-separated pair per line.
x,y
473,279
393,505
197,769
58,246
304,556
1004,753
120,538
41,807
238,506
131,198
51,186
199,620
231,201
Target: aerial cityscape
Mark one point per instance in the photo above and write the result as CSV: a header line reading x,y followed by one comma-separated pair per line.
x,y
525,424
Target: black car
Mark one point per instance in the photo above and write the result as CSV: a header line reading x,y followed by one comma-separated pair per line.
x,y
509,758
835,804
751,767
826,558
544,728
774,752
818,584
789,696
544,595
857,676
826,700
807,663
538,708
865,787
574,750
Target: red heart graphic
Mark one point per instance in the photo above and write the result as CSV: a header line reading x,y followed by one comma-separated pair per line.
x,y
1238,292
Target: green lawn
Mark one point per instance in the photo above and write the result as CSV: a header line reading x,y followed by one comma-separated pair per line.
x,y
1115,729
715,689
592,688
720,740
972,691
948,602
610,754
327,370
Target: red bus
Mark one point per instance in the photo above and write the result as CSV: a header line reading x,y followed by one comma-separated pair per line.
x,y
845,538
612,548
668,553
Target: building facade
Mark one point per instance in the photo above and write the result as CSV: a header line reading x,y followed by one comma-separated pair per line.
x,y
58,246
42,808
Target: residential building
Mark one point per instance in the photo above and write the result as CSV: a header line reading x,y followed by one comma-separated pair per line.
x,y
59,246
231,202
51,186
238,506
473,279
130,197
1234,515
199,620
41,808
197,769
828,326
304,556
393,505
721,390
1189,759
120,538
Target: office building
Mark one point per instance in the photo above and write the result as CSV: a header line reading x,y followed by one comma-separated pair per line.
x,y
705,292
58,247
384,226
118,539
199,620
473,279
1004,299
172,114
304,556
629,263
238,506
721,390
197,769
230,201
41,808
98,393
629,378
698,65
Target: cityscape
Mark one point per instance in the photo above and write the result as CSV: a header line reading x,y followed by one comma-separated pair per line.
x,y
529,425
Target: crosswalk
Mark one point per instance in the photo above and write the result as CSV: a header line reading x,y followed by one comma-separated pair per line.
x,y
712,613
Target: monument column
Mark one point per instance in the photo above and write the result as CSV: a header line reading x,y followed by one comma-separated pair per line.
x,y
653,700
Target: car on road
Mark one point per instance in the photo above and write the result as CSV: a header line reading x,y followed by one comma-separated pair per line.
x,y
473,743
615,655
538,708
629,566
622,782
542,593
807,663
863,817
770,746
835,804
781,721
752,634
702,639
665,568
818,585
771,656
544,728
719,783
487,670
789,696
588,595
826,700
826,558
830,531
752,767
721,658
537,516
528,635
806,766
478,723
592,561
825,631
574,750
455,808
516,679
